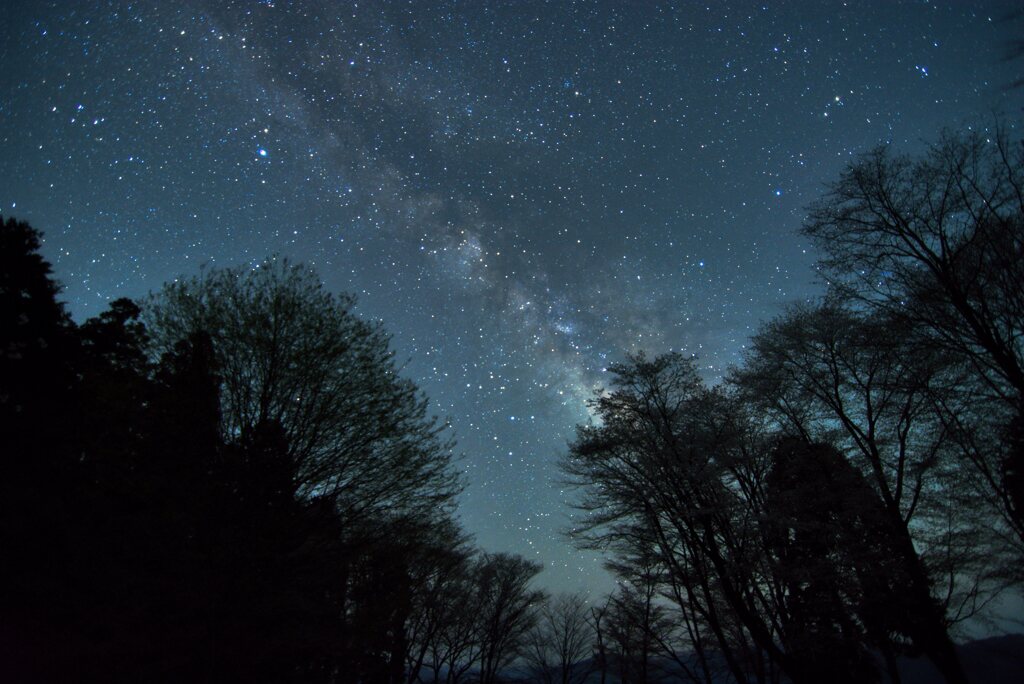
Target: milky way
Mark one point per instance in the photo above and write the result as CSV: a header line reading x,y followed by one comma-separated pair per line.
x,y
523,192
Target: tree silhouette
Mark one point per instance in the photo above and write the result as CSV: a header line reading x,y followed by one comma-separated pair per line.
x,y
152,535
559,647
938,241
506,609
834,552
439,569
834,375
39,479
671,471
290,353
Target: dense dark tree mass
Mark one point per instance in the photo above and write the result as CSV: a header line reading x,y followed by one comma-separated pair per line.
x,y
231,481
240,489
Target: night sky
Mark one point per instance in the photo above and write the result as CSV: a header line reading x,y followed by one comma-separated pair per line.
x,y
522,192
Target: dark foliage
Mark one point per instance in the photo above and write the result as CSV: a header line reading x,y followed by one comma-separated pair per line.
x,y
143,541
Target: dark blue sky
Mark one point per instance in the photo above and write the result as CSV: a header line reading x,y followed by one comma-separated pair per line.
x,y
521,191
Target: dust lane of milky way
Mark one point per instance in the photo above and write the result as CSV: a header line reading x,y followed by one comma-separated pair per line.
x,y
522,191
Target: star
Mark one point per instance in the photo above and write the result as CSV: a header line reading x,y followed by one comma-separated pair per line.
x,y
517,194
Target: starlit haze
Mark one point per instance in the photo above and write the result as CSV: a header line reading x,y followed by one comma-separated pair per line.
x,y
523,192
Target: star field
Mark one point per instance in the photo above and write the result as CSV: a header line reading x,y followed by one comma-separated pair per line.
x,y
522,192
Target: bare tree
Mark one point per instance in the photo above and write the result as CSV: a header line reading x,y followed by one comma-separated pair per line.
x,y
438,577
671,470
484,610
506,606
658,606
834,375
560,645
692,479
638,628
939,242
598,620
291,354
454,649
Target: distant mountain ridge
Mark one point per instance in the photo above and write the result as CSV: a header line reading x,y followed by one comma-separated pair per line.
x,y
993,660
